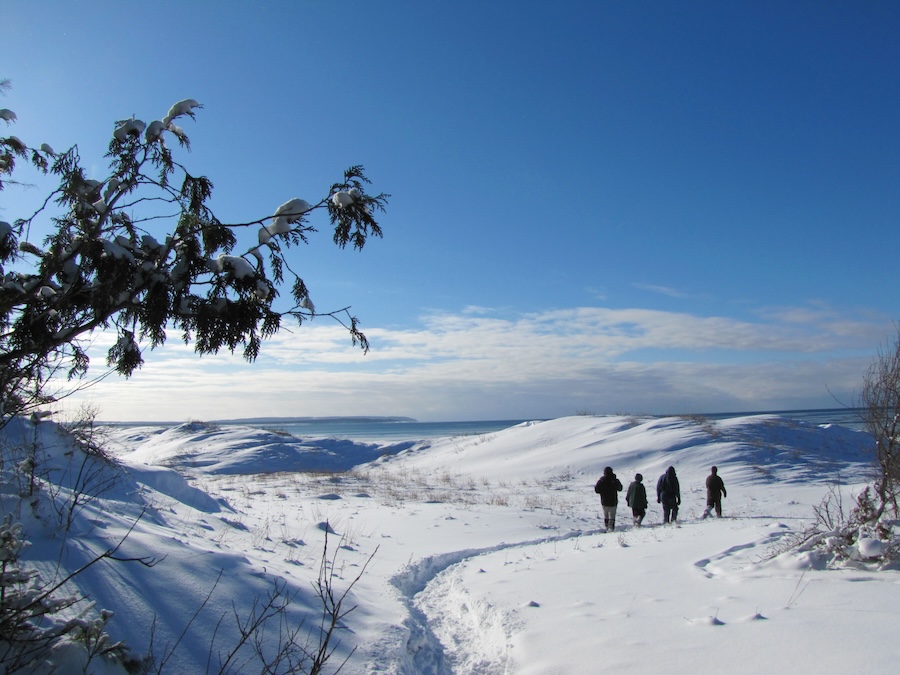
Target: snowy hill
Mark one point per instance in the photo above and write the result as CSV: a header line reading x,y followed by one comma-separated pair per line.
x,y
236,449
475,554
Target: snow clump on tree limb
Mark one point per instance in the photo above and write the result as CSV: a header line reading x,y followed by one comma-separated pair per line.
x,y
185,107
342,199
285,215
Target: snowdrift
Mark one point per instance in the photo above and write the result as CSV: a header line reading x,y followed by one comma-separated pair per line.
x,y
481,554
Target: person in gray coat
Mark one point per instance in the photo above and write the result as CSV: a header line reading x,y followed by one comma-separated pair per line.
x,y
636,498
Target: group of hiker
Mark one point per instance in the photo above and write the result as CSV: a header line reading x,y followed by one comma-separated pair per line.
x,y
668,494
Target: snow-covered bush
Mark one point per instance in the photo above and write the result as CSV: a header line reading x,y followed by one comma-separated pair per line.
x,y
33,632
862,536
37,633
866,535
139,250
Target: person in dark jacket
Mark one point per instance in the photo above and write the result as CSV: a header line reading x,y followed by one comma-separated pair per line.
x,y
715,490
636,498
607,487
668,493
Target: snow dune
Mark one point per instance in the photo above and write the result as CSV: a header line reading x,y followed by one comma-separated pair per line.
x,y
486,554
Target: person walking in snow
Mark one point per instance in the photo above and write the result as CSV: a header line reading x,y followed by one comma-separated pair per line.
x,y
668,493
636,498
608,488
715,490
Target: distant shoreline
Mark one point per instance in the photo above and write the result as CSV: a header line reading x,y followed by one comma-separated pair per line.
x,y
351,419
347,419
391,419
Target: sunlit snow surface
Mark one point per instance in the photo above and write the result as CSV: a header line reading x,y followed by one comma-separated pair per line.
x,y
486,554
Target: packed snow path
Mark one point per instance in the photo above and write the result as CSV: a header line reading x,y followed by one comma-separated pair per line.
x,y
451,632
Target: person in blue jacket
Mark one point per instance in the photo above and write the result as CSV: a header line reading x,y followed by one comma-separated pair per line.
x,y
668,493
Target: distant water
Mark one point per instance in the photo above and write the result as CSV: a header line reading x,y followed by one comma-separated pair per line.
x,y
380,430
377,429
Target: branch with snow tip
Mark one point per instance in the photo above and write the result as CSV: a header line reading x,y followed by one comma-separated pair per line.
x,y
235,264
153,132
344,198
351,209
185,107
284,218
125,128
15,147
241,268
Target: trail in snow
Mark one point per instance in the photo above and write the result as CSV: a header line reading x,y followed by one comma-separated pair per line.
x,y
476,633
452,630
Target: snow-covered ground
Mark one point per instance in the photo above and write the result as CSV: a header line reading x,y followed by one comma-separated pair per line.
x,y
474,554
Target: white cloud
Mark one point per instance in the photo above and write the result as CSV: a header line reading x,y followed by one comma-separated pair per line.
x,y
662,290
475,365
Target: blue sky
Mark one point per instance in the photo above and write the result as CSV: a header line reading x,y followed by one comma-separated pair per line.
x,y
596,206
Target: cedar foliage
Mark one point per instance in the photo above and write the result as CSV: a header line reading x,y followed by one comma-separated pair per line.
x,y
141,252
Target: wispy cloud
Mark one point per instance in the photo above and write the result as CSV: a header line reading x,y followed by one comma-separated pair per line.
x,y
662,290
475,364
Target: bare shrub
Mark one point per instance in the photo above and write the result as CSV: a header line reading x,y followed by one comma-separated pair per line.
x,y
879,401
706,425
296,648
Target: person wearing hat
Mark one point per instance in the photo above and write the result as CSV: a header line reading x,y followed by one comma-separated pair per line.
x,y
636,498
715,490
